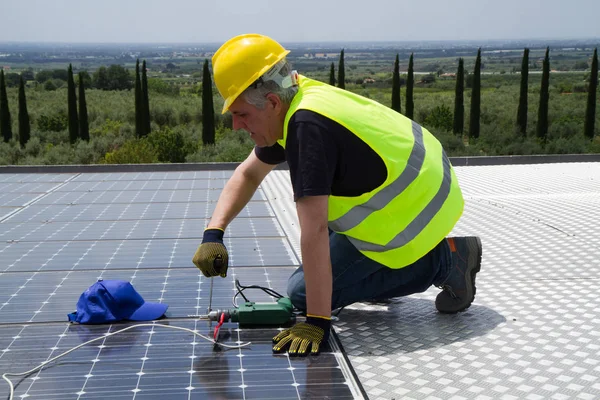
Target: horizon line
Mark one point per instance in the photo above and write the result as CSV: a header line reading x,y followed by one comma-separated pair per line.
x,y
538,39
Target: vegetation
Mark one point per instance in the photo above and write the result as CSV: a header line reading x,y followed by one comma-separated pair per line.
x,y
24,126
72,107
542,123
590,112
475,116
208,111
396,86
180,106
84,127
522,111
5,120
139,115
332,75
410,83
341,72
458,124
145,104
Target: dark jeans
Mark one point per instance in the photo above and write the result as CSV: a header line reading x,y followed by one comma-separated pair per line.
x,y
358,278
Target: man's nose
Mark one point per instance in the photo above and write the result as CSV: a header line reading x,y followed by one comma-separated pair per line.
x,y
238,123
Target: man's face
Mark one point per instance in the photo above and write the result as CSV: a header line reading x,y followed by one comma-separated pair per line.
x,y
265,126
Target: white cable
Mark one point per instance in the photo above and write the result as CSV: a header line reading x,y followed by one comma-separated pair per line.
x,y
12,389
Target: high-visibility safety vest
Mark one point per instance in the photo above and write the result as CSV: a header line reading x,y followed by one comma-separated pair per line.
x,y
420,201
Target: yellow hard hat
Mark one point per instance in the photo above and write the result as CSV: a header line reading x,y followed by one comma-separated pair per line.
x,y
242,60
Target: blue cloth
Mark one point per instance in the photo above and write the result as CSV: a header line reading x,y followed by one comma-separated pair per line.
x,y
358,278
113,301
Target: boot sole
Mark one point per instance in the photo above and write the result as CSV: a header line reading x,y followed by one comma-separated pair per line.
x,y
473,267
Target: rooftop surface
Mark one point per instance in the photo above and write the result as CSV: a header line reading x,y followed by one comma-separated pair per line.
x,y
532,332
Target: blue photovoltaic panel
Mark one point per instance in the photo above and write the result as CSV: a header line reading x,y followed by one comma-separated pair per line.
x,y
159,363
138,254
123,211
49,297
60,233
133,230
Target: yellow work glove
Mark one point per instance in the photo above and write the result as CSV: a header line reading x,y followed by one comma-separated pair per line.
x,y
304,338
211,257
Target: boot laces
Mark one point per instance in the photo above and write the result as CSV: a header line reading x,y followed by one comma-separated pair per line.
x,y
448,289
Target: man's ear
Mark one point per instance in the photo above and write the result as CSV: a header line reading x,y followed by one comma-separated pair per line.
x,y
274,101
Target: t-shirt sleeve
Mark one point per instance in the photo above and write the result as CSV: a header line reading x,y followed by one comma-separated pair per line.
x,y
270,155
312,158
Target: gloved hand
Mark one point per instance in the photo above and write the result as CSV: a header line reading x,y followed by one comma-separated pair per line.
x,y
211,257
305,337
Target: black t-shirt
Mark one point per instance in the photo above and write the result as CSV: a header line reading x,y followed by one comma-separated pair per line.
x,y
325,158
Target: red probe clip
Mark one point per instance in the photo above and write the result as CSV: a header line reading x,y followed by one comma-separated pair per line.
x,y
216,333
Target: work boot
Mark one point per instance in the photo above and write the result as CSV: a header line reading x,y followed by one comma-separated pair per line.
x,y
458,290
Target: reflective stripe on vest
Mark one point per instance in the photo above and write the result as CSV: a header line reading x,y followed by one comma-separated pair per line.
x,y
360,212
420,222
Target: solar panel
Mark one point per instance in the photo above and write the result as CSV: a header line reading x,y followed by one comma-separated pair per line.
x,y
122,211
62,232
152,362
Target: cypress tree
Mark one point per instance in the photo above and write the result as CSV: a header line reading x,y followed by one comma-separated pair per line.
x,y
590,112
139,118
145,102
410,83
341,72
459,96
84,127
542,122
474,126
332,75
72,107
24,126
396,105
5,122
522,111
208,111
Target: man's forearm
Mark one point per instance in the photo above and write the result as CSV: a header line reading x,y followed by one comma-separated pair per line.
x,y
317,271
235,195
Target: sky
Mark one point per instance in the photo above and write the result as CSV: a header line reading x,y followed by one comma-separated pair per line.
x,y
215,21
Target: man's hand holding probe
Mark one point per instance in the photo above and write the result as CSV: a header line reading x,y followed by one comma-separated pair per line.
x,y
211,257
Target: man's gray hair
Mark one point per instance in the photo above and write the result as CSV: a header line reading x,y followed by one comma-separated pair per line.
x,y
276,81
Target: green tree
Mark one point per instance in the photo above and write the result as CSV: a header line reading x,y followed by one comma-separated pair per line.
x,y
440,117
137,151
208,111
590,112
170,146
87,79
43,76
145,102
332,75
5,122
72,107
138,101
24,125
542,122
28,74
396,105
84,127
101,78
410,83
115,77
522,111
474,124
458,125
12,79
341,72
